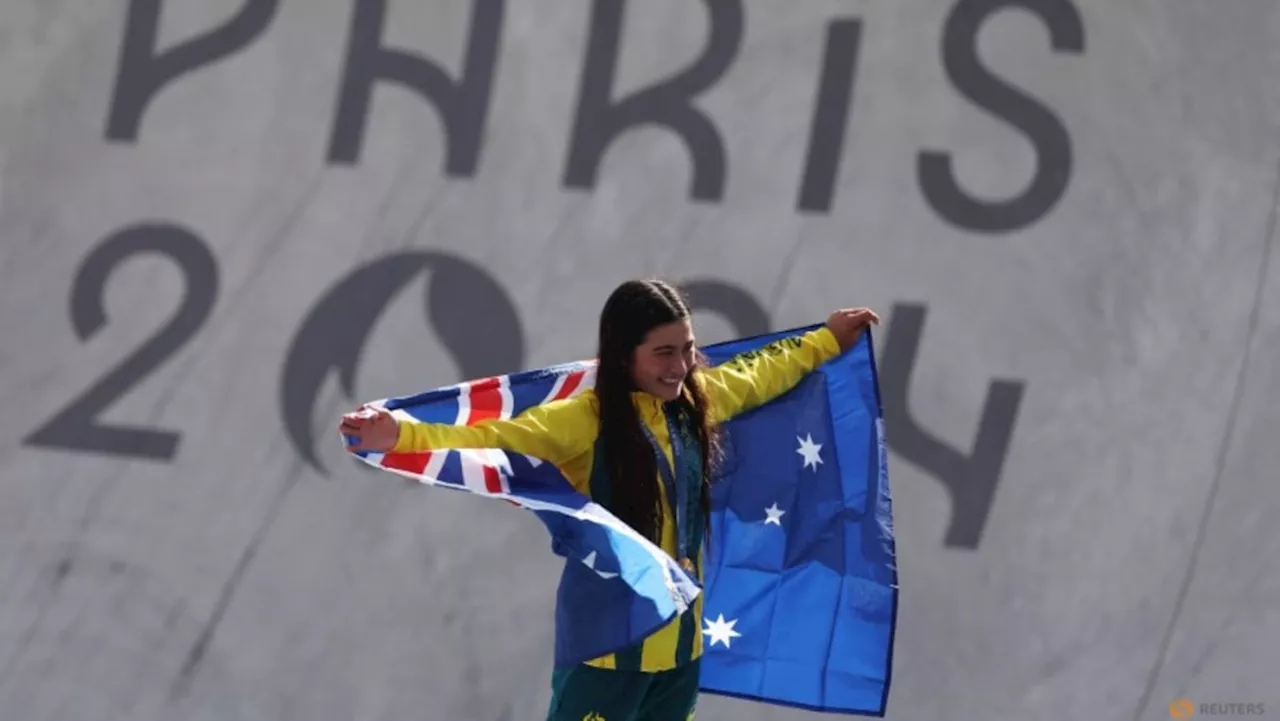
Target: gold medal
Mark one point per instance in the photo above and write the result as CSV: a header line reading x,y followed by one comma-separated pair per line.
x,y
686,564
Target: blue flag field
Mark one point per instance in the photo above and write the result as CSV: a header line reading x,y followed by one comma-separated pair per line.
x,y
801,582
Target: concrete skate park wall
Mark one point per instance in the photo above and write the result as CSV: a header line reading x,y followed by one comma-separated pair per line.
x,y
224,224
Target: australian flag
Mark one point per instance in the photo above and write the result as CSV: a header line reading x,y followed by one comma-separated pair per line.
x,y
801,586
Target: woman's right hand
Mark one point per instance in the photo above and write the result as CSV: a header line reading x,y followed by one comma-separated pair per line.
x,y
370,429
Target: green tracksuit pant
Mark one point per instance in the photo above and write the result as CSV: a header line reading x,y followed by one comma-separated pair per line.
x,y
587,693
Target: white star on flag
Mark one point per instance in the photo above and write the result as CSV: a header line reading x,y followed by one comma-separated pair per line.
x,y
720,631
590,562
774,515
809,450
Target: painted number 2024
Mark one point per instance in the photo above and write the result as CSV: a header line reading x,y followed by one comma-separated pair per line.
x,y
333,336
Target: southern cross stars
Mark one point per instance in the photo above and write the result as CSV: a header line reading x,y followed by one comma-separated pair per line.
x,y
773,515
812,454
720,630
810,451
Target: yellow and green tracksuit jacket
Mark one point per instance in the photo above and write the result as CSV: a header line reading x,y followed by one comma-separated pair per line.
x,y
565,433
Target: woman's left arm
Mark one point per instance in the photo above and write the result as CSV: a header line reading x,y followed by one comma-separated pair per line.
x,y
754,378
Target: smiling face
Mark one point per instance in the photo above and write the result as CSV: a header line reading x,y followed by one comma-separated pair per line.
x,y
661,363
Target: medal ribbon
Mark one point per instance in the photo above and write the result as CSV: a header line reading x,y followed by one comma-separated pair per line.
x,y
676,483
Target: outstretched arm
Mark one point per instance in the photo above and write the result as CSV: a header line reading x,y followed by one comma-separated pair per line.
x,y
752,379
553,432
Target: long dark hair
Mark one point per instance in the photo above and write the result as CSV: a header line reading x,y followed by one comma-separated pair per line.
x,y
631,311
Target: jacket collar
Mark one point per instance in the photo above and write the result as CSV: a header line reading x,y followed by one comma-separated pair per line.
x,y
647,403
650,407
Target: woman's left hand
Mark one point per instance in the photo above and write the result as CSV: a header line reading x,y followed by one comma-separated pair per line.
x,y
847,324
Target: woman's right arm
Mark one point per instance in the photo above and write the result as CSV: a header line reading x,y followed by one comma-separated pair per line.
x,y
554,432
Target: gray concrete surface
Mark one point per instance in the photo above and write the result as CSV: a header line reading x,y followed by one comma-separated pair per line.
x,y
1081,385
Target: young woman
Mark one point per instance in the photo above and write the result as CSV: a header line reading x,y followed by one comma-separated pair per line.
x,y
649,422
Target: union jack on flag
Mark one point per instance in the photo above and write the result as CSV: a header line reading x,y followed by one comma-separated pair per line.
x,y
478,470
